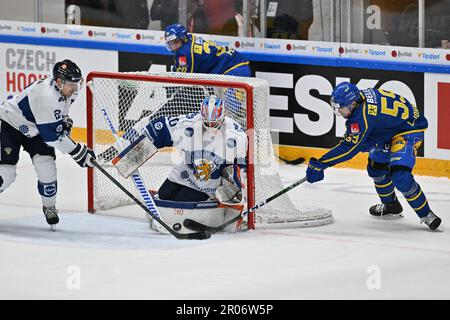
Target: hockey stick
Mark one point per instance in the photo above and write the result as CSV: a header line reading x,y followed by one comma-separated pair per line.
x,y
197,226
139,183
200,235
293,162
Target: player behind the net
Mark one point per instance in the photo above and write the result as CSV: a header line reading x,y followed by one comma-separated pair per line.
x,y
193,54
391,129
213,148
37,119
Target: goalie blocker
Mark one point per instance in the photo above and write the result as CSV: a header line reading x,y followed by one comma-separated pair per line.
x,y
210,213
134,156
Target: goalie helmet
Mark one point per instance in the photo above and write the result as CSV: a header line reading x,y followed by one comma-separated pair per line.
x,y
344,95
213,112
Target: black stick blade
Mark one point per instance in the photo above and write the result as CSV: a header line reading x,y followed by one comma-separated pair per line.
x,y
203,235
196,226
293,162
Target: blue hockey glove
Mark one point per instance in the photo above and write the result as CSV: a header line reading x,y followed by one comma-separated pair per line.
x,y
314,173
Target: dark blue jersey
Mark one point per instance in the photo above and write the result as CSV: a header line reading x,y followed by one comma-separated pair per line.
x,y
374,122
201,56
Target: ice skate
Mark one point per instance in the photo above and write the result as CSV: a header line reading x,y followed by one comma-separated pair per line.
x,y
391,210
431,220
51,215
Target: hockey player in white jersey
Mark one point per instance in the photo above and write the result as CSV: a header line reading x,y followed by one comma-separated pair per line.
x,y
37,119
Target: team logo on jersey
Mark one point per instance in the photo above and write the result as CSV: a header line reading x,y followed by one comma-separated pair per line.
x,y
203,169
182,61
231,143
158,125
8,150
184,175
24,129
397,144
59,128
372,109
354,128
189,132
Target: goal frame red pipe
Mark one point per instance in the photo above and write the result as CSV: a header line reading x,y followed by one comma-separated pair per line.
x,y
152,78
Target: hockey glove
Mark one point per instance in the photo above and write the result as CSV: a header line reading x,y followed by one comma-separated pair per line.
x,y
67,125
314,173
82,155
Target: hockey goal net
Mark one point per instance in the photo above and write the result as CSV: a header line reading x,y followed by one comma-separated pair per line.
x,y
130,97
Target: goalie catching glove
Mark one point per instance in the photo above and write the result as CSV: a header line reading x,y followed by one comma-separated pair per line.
x,y
230,192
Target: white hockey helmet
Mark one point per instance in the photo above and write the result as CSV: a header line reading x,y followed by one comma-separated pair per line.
x,y
213,112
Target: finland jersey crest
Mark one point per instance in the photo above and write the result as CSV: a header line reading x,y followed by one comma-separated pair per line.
x,y
203,169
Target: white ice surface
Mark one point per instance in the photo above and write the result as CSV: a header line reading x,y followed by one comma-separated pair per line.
x,y
119,257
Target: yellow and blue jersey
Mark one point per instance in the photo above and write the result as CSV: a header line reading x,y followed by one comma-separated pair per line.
x,y
201,56
374,122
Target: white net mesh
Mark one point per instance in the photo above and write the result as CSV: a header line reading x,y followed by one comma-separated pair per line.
x,y
130,97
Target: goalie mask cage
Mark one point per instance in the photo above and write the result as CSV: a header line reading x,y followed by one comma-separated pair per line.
x,y
130,97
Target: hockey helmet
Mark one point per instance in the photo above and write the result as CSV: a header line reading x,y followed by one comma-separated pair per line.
x,y
343,95
69,73
175,31
67,70
213,112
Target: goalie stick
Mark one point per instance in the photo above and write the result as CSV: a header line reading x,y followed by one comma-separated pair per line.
x,y
199,235
197,226
150,206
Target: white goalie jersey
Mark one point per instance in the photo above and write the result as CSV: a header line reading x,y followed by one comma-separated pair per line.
x,y
39,110
205,152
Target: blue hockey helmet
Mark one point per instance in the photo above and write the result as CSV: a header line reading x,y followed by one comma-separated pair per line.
x,y
343,95
213,112
176,31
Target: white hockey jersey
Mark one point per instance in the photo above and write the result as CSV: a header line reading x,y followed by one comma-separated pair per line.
x,y
205,152
39,109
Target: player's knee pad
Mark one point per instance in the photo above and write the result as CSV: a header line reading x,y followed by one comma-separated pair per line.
x,y
403,179
7,176
45,168
377,170
48,190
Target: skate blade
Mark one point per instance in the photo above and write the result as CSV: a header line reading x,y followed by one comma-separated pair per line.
x,y
389,216
53,227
